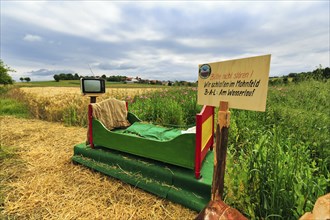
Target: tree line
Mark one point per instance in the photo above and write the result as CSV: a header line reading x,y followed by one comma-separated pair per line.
x,y
27,79
320,74
66,76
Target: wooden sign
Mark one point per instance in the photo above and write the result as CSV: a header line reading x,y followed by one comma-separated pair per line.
x,y
243,83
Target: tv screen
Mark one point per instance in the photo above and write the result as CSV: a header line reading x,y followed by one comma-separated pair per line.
x,y
92,86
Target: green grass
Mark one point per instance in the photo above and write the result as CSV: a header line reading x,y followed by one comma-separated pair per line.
x,y
13,107
282,155
169,107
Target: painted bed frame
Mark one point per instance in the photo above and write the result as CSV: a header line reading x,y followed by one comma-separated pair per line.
x,y
187,150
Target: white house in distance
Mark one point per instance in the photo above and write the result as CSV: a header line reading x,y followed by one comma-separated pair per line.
x,y
131,80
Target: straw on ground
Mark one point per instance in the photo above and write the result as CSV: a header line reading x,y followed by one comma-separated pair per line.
x,y
43,183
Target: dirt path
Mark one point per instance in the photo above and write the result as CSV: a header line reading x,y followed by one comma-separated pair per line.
x,y
43,183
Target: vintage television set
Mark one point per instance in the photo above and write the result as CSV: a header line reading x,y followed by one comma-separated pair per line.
x,y
92,86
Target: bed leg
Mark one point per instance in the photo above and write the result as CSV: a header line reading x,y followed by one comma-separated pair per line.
x,y
198,174
90,126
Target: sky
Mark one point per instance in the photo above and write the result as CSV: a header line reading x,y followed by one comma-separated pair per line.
x,y
162,40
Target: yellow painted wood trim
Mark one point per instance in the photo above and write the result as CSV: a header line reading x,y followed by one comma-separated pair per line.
x,y
206,131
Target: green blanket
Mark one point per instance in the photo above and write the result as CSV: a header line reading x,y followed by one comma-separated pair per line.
x,y
150,131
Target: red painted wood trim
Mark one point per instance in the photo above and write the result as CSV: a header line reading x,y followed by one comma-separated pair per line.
x,y
206,112
211,147
90,125
198,146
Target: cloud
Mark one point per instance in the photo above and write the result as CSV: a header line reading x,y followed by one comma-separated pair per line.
x,y
32,38
115,66
68,17
47,72
161,40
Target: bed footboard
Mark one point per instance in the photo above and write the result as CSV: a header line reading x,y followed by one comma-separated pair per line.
x,y
204,136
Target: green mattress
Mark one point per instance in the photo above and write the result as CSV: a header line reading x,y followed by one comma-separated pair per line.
x,y
150,131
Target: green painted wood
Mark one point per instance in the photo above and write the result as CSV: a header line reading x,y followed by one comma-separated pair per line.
x,y
174,183
180,151
132,118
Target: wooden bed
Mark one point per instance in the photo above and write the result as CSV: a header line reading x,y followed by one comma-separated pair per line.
x,y
186,150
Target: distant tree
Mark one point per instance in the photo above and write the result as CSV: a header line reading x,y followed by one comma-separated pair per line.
x,y
76,76
292,75
27,79
297,79
104,76
275,81
5,78
69,76
285,80
62,76
326,73
318,73
117,78
56,77
22,79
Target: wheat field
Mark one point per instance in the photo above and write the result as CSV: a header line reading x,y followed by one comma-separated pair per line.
x,y
67,104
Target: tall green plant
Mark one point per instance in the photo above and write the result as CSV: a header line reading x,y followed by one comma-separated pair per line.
x,y
278,160
170,107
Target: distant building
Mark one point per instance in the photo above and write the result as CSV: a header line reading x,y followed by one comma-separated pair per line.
x,y
131,80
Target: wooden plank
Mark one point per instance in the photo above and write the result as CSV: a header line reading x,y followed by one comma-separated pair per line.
x,y
220,152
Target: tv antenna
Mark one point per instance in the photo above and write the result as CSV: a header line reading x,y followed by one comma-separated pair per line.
x,y
91,70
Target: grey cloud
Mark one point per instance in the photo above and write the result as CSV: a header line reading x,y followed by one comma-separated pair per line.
x,y
32,38
161,41
46,72
113,66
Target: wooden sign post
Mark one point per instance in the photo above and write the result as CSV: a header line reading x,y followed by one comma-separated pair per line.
x,y
241,84
220,151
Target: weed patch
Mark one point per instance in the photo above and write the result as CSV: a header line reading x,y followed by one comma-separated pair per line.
x,y
13,107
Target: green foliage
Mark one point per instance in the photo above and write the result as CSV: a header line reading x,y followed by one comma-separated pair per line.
x,y
285,80
66,76
5,78
282,155
70,116
319,74
4,90
278,160
57,78
117,78
171,107
13,107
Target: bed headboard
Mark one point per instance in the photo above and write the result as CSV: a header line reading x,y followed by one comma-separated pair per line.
x,y
204,136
